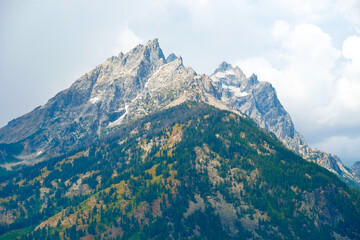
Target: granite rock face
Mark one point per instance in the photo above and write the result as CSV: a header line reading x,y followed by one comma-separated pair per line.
x,y
77,115
259,101
142,81
355,168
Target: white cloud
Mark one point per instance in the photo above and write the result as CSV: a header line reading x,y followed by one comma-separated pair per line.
x,y
320,11
310,9
196,3
300,55
345,146
126,40
351,51
318,84
345,106
305,80
280,29
260,66
351,10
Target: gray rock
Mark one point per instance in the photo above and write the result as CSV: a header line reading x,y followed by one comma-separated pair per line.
x,y
171,57
78,114
355,168
259,101
142,81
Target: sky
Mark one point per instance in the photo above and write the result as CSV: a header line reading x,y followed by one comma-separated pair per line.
x,y
308,49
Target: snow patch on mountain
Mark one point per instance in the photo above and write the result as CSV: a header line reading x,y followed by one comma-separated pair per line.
x,y
95,99
236,92
120,119
140,82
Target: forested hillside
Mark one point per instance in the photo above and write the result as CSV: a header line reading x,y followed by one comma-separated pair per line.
x,y
188,172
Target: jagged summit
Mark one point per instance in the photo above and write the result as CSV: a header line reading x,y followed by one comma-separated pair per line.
x,y
149,149
154,42
153,48
253,79
142,81
355,168
227,74
150,45
224,66
171,57
78,114
227,68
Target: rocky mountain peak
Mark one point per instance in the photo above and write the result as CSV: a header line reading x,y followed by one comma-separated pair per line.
x,y
356,169
149,53
140,82
153,50
120,55
227,68
179,61
171,57
258,100
253,79
224,66
226,74
154,43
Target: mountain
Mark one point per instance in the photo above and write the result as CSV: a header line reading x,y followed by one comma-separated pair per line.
x,y
77,115
142,147
191,171
140,82
356,168
259,101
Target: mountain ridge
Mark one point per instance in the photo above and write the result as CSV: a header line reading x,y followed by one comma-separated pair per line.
x,y
191,171
132,85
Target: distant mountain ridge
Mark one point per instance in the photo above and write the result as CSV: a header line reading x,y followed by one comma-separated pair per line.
x,y
259,101
142,81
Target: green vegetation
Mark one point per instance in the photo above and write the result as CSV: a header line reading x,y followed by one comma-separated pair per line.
x,y
192,171
16,234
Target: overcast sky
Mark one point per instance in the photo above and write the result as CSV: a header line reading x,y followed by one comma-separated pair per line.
x,y
308,49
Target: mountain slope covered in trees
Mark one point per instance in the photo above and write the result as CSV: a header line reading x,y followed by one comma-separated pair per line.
x,y
191,171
